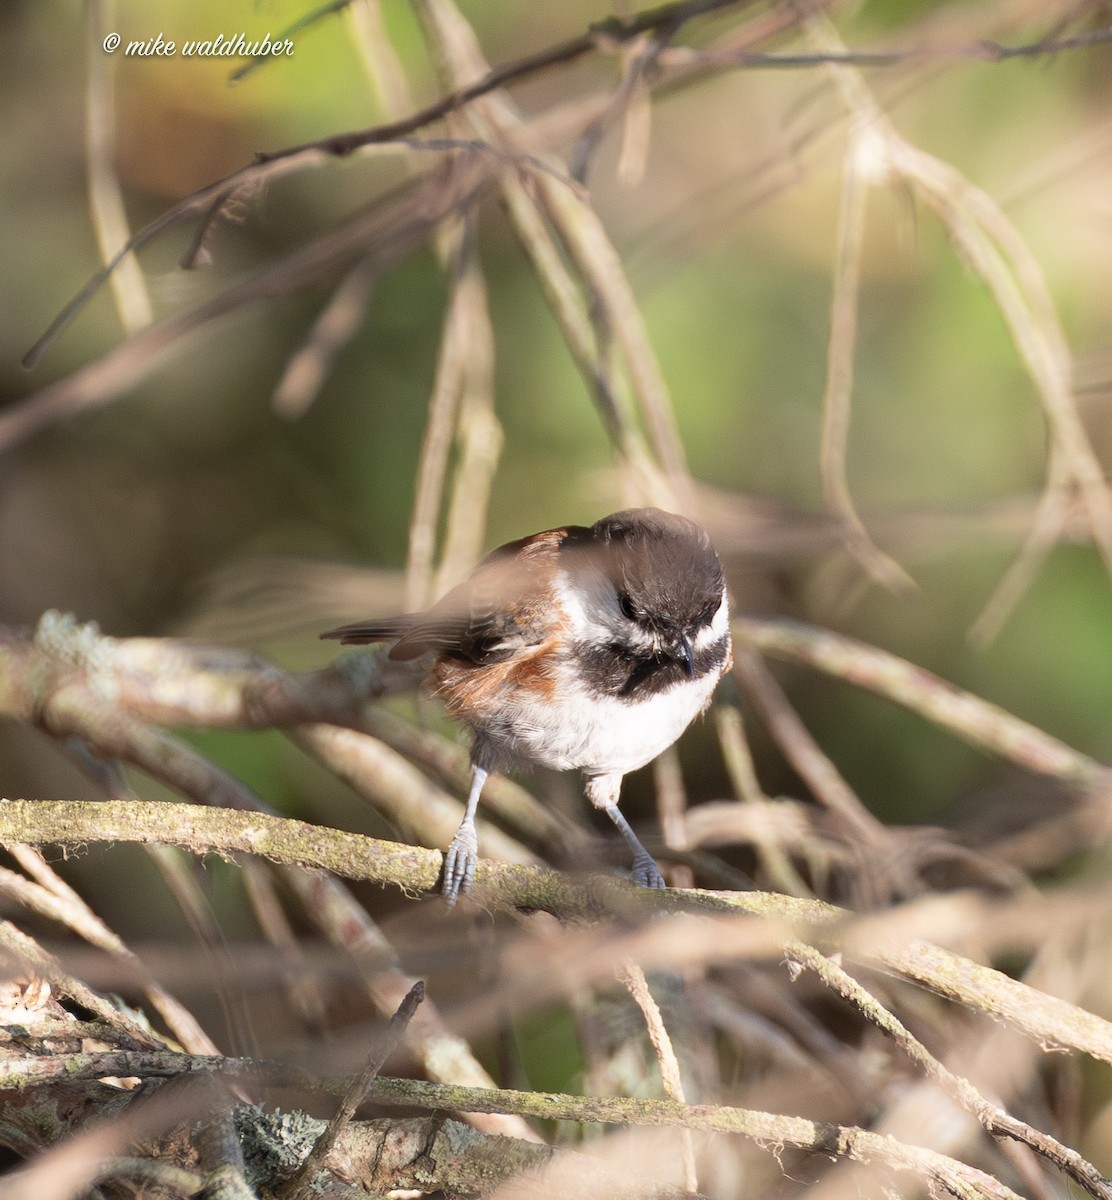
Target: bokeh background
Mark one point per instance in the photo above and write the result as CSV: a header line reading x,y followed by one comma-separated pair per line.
x,y
189,506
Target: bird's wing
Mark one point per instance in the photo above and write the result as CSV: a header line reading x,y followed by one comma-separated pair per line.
x,y
499,609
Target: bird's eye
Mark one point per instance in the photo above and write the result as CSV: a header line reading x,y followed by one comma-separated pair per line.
x,y
626,605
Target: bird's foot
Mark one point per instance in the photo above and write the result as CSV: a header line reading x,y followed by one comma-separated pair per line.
x,y
460,863
646,872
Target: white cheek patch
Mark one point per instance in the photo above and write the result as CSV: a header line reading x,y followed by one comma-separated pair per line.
x,y
719,625
590,618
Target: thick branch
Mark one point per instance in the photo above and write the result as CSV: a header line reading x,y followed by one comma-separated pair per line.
x,y
880,942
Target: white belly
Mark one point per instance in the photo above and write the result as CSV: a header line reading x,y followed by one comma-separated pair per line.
x,y
601,735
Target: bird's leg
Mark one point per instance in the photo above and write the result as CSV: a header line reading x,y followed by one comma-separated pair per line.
x,y
463,851
603,792
645,870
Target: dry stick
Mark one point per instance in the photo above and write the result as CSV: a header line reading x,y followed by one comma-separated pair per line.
x,y
448,760
339,321
478,432
480,447
303,990
457,245
218,1146
880,942
638,986
546,199
393,227
1051,515
629,97
60,903
83,712
19,951
400,789
841,346
381,62
462,394
769,1130
633,155
801,749
446,1056
212,197
106,202
996,1120
671,810
971,718
301,1186
743,776
182,885
996,251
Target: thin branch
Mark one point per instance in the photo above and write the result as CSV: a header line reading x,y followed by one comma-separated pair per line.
x,y
60,903
211,198
106,202
969,717
302,1185
841,345
880,941
394,227
638,986
992,1117
769,1130
308,369
819,772
21,952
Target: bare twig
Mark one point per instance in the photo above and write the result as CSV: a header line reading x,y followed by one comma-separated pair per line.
x,y
770,1130
106,202
60,903
302,1185
967,716
808,758
881,941
995,1120
22,952
839,367
634,979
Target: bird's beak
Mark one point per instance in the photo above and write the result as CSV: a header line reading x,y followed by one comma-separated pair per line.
x,y
687,656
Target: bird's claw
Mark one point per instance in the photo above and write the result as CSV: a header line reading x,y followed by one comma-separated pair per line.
x,y
646,872
459,865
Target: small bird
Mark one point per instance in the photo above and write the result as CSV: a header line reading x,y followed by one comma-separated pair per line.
x,y
578,648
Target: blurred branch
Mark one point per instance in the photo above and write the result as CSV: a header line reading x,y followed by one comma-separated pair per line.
x,y
766,1129
20,952
670,1076
664,21
338,323
992,1117
210,199
999,255
62,904
974,720
302,1186
841,346
393,227
106,201
881,942
881,870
